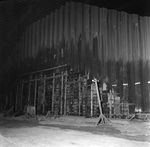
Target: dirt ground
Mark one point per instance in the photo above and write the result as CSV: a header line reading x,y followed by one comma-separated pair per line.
x,y
72,132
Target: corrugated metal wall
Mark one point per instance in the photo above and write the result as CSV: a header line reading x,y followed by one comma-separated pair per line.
x,y
97,40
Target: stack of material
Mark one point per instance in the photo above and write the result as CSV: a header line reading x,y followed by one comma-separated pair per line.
x,y
95,103
73,94
117,106
40,96
105,104
57,95
84,98
48,94
124,108
32,92
24,95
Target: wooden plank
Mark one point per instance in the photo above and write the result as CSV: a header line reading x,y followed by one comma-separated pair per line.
x,y
53,91
44,87
80,94
35,93
65,94
62,93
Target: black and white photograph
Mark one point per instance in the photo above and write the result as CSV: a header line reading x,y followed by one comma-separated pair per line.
x,y
74,73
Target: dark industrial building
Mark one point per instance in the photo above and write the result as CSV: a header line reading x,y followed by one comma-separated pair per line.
x,y
50,51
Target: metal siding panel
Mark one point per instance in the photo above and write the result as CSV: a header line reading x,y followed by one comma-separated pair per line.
x,y
71,23
66,33
51,30
61,36
47,31
86,32
19,52
56,32
56,18
103,41
52,39
94,39
39,35
26,44
33,39
42,33
146,73
130,37
78,23
61,17
30,41
23,47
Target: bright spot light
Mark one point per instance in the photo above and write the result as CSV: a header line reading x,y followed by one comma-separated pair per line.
x,y
137,83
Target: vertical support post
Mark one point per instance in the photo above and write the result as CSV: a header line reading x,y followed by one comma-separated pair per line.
x,y
35,93
44,94
91,100
21,94
16,99
79,95
65,95
98,97
6,102
110,104
62,85
10,99
29,94
53,91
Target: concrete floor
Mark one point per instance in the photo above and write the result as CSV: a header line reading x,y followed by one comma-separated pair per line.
x,y
72,131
